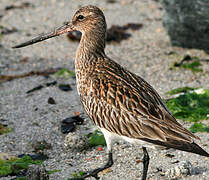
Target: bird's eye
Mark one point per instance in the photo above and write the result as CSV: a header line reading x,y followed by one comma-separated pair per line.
x,y
80,17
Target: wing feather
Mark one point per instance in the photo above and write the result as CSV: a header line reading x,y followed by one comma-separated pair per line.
x,y
131,107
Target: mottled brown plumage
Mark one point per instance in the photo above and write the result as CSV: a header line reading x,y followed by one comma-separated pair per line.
x,y
115,98
120,103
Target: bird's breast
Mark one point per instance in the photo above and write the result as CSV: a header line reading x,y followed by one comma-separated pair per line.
x,y
86,85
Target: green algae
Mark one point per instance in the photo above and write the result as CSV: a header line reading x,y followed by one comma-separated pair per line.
x,y
193,66
192,106
77,175
21,178
199,127
97,138
53,171
4,129
180,90
190,63
16,165
64,73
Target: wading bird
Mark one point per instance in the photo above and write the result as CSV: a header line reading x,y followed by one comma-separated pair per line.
x,y
121,104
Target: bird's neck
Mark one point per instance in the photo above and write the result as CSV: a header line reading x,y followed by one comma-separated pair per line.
x,y
92,45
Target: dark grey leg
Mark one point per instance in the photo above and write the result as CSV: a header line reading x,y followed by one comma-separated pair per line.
x,y
145,163
95,172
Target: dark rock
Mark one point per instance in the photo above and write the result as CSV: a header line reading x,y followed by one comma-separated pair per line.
x,y
42,86
35,89
65,87
18,6
174,162
37,172
116,34
51,100
186,58
69,124
5,30
66,128
170,155
74,119
45,73
70,120
51,83
111,1
187,22
41,157
3,120
40,146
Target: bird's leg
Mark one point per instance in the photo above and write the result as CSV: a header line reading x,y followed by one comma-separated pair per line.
x,y
94,173
145,163
109,163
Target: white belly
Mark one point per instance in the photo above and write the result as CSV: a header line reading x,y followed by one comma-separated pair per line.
x,y
113,137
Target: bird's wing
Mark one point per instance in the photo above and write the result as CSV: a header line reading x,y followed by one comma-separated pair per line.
x,y
124,103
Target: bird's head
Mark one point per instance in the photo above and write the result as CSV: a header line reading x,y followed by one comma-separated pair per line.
x,y
89,19
86,19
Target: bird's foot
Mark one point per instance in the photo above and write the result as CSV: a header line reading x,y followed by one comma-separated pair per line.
x,y
95,172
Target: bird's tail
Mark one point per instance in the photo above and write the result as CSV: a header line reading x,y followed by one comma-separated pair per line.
x,y
181,145
194,148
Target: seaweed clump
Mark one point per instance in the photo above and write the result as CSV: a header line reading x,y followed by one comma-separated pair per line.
x,y
192,106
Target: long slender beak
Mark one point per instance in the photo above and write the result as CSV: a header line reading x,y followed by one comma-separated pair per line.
x,y
67,27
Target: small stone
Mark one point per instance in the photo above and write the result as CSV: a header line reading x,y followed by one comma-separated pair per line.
x,y
69,124
65,87
51,100
40,146
5,30
36,172
74,119
66,128
6,156
105,171
75,141
183,169
69,120
170,155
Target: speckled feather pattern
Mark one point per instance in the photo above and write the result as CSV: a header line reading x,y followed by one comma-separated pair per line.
x,y
118,100
123,103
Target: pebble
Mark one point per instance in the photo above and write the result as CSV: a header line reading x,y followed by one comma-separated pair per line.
x,y
184,168
36,172
75,141
6,156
